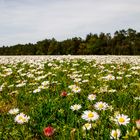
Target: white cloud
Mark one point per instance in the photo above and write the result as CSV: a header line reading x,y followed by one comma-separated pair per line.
x,y
24,21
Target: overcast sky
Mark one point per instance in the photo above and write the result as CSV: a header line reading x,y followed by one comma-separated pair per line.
x,y
24,21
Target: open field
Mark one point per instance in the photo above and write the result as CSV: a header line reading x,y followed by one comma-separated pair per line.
x,y
69,97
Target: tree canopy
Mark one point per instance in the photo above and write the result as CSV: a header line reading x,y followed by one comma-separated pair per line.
x,y
123,42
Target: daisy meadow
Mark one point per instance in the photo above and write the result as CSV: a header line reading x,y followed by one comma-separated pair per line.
x,y
85,101
122,119
75,107
90,115
21,118
115,134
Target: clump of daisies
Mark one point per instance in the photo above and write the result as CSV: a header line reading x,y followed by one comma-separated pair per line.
x,y
21,118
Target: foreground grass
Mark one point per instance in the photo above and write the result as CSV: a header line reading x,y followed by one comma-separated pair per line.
x,y
46,93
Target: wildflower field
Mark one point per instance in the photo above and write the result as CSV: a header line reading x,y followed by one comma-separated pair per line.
x,y
69,98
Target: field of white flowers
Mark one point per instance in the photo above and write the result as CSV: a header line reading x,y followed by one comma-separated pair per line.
x,y
69,97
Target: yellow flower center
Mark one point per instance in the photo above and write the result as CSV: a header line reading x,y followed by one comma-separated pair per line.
x,y
22,119
87,125
115,134
121,120
76,88
90,115
100,106
76,107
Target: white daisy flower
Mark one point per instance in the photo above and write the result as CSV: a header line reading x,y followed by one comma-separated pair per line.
x,y
1,88
45,83
76,80
137,98
37,90
88,74
21,118
13,111
120,73
90,116
87,126
103,89
118,78
21,84
101,106
75,107
115,134
122,119
91,97
30,75
43,87
71,86
76,89
85,81
50,64
112,90
109,77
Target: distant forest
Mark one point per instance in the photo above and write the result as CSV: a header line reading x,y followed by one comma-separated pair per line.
x,y
123,42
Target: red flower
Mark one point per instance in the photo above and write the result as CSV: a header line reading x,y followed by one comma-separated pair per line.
x,y
64,94
49,131
138,124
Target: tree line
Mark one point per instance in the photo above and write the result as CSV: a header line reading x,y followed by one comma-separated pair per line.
x,y
123,42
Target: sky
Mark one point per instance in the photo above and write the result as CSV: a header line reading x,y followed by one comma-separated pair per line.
x,y
29,21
